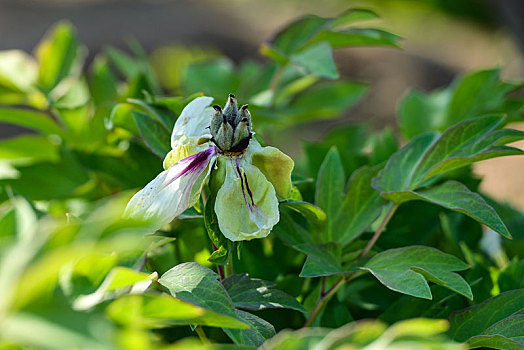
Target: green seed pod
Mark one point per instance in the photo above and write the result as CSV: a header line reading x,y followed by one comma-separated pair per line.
x,y
231,110
216,120
231,127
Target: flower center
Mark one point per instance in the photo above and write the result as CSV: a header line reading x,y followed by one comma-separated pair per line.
x,y
231,127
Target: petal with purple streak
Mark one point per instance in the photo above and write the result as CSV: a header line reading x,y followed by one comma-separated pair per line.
x,y
246,204
173,190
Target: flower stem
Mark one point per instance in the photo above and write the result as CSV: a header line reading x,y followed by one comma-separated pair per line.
x,y
201,334
323,300
220,270
326,296
229,266
379,230
276,78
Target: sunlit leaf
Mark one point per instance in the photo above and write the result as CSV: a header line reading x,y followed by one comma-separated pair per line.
x,y
57,55
406,270
199,285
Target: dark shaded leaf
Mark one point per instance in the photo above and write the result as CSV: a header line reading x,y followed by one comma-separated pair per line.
x,y
360,208
255,294
322,260
477,319
259,331
330,189
156,136
455,196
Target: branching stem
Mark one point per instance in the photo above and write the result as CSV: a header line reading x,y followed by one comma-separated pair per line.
x,y
202,335
325,296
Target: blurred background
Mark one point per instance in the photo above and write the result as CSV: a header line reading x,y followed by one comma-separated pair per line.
x,y
442,39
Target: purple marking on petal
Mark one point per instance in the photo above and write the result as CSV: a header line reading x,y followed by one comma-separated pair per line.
x,y
248,189
195,163
241,182
245,187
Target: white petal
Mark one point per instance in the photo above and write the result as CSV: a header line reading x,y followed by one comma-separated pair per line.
x,y
246,204
173,190
194,120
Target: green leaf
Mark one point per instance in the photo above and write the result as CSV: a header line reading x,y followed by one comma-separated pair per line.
x,y
494,341
510,276
361,206
126,64
122,117
7,224
477,93
18,70
457,197
477,319
28,149
38,121
290,231
156,136
457,146
417,333
63,179
255,294
420,113
398,173
462,144
158,112
323,101
350,142
383,145
311,29
317,60
214,78
357,37
330,188
406,270
353,15
506,334
469,96
311,212
103,82
57,329
260,330
57,55
296,34
131,169
199,286
158,311
322,259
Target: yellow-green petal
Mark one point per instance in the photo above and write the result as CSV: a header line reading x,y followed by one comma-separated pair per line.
x,y
275,165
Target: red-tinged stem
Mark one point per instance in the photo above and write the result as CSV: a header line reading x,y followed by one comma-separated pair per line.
x,y
379,230
326,296
220,268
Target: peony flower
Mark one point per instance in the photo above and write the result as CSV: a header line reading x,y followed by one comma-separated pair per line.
x,y
211,142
